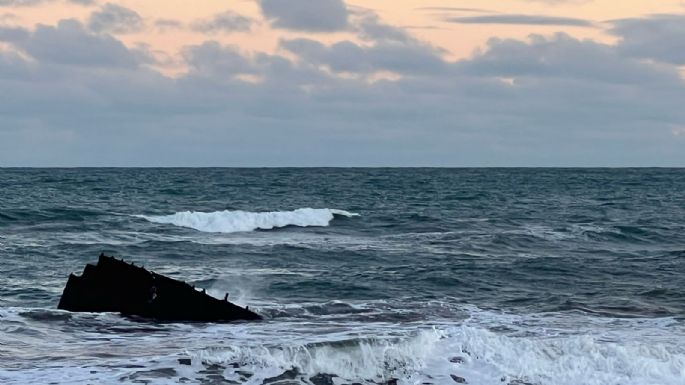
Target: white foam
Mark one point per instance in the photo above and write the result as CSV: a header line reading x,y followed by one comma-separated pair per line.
x,y
495,348
541,349
239,221
374,359
488,358
577,359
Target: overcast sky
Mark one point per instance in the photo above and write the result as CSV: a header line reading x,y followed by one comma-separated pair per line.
x,y
334,83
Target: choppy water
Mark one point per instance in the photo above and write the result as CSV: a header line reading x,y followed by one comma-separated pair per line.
x,y
520,276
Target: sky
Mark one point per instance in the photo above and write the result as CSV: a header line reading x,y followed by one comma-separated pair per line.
x,y
253,83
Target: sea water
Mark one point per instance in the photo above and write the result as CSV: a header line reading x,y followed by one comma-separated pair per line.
x,y
424,276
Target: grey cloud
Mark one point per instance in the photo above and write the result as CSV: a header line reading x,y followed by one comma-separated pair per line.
x,y
561,56
211,58
214,65
13,34
69,43
224,22
20,3
543,101
347,56
12,68
30,3
144,54
168,24
520,20
658,37
391,48
113,18
370,27
306,15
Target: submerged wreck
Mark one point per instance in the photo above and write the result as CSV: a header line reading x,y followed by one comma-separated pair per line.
x,y
117,286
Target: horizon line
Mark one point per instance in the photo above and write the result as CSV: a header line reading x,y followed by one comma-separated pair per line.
x,y
340,167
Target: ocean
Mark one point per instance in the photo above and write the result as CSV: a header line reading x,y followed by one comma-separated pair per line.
x,y
364,276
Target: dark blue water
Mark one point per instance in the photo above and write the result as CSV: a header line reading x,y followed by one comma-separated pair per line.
x,y
542,276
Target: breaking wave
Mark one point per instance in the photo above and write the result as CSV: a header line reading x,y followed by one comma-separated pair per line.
x,y
459,354
239,221
488,348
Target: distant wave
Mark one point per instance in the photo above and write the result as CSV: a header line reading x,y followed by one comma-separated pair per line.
x,y
237,221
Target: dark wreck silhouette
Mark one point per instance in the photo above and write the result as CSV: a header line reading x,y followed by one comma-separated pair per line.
x,y
117,286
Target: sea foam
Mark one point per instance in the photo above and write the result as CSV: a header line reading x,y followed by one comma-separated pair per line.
x,y
237,221
480,356
527,349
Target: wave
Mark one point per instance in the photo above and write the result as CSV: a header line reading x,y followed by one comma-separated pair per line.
x,y
439,356
443,356
239,221
489,348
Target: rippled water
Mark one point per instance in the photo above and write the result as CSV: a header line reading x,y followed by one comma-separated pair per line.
x,y
538,276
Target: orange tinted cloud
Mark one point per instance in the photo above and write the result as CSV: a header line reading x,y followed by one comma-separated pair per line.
x,y
432,21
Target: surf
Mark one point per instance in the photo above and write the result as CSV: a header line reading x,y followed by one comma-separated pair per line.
x,y
228,221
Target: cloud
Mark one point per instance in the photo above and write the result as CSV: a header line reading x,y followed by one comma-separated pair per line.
x,y
113,18
658,37
520,20
562,56
168,24
31,3
20,3
347,56
678,131
13,34
7,17
386,48
369,27
226,22
213,59
75,97
306,15
452,9
70,44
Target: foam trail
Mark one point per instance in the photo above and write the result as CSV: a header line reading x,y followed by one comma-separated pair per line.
x,y
238,221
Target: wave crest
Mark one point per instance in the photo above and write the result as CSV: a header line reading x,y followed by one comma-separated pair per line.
x,y
239,221
437,356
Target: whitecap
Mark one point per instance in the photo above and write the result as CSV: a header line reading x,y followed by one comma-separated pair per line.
x,y
239,221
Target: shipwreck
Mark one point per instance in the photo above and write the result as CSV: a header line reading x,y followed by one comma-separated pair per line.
x,y
114,285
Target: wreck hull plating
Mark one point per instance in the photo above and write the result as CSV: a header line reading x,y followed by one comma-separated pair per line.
x,y
116,286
